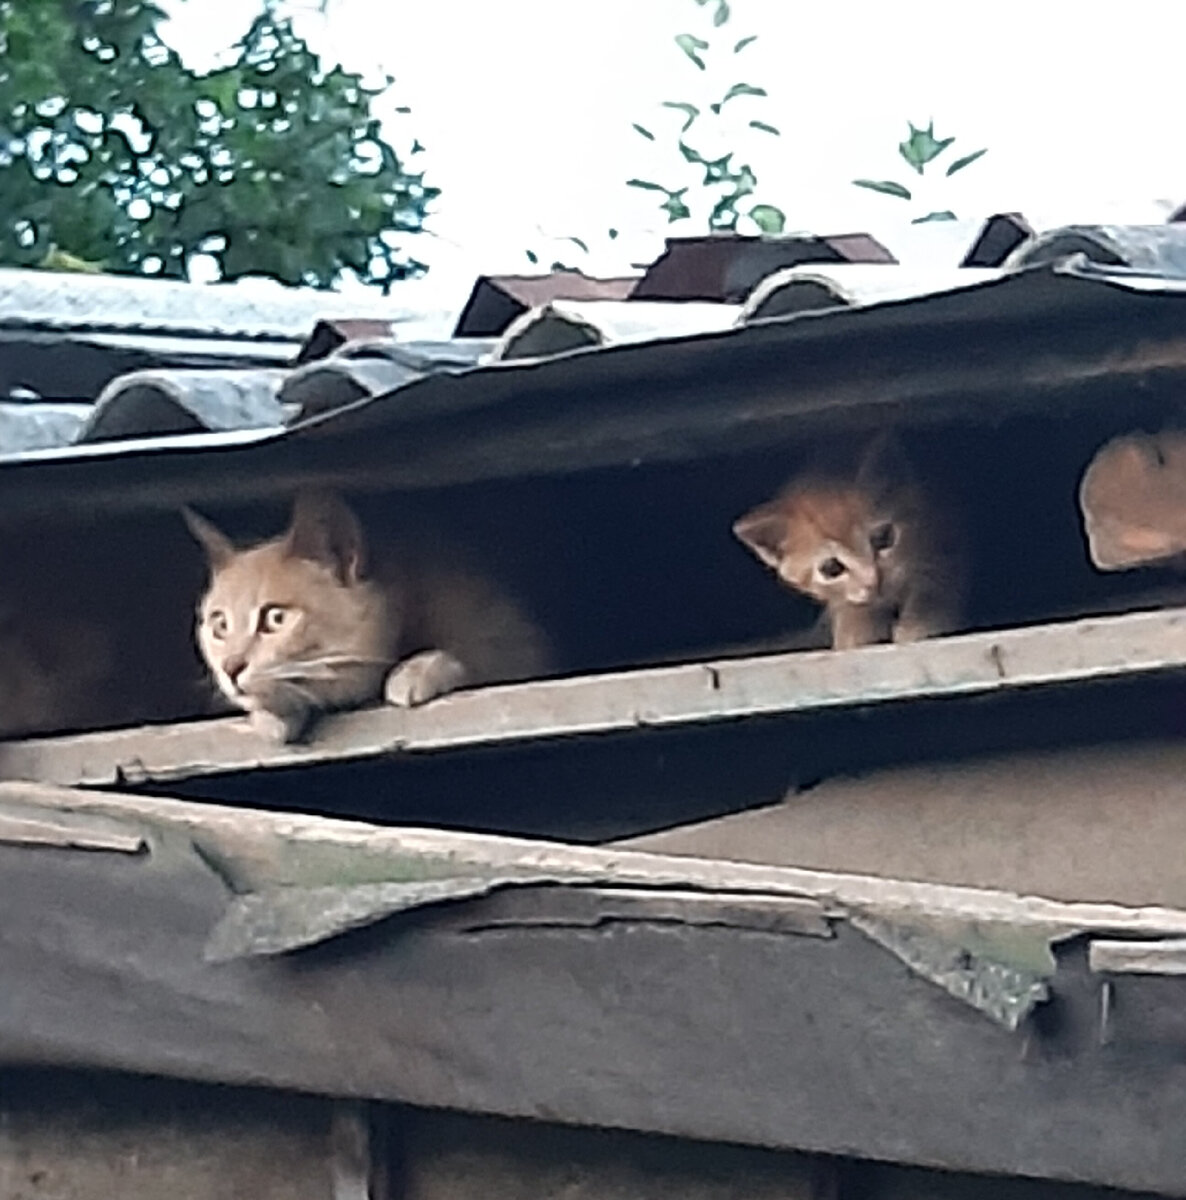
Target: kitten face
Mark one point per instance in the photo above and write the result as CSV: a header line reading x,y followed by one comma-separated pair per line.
x,y
293,623
831,543
873,549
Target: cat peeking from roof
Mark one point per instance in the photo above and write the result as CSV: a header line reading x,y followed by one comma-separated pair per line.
x,y
310,621
873,547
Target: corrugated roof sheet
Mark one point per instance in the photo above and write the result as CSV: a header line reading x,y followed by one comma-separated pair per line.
x,y
256,310
654,344
498,299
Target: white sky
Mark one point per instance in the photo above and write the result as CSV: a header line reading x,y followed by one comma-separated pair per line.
x,y
525,107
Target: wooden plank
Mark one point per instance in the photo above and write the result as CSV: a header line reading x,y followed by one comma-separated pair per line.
x,y
66,1136
1082,821
671,697
255,850
822,1045
453,1157
16,830
737,910
352,1159
886,1181
1165,956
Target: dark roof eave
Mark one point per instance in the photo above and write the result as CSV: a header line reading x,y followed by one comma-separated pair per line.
x,y
996,347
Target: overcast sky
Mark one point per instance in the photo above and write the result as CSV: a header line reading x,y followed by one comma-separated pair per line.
x,y
525,107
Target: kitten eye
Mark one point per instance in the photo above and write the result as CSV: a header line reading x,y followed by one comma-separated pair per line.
x,y
216,622
883,537
831,568
272,617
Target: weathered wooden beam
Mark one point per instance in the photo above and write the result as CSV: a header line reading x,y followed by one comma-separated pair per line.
x,y
579,1005
355,1167
1069,822
254,850
449,1156
1160,956
68,834
66,1136
1133,500
711,1032
668,697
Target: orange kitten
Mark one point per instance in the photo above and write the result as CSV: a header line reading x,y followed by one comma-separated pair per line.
x,y
873,549
302,623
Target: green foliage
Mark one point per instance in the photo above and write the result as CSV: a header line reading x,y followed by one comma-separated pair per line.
x,y
922,147
919,150
727,183
114,154
723,185
887,187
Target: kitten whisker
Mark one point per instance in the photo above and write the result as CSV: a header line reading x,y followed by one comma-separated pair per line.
x,y
306,694
323,667
346,660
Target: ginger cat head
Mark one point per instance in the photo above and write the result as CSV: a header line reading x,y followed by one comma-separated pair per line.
x,y
860,540
295,621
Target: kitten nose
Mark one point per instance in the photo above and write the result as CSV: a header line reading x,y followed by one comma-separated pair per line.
x,y
234,667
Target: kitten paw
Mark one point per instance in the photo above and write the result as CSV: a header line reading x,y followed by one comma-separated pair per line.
x,y
423,677
906,635
277,729
913,630
857,625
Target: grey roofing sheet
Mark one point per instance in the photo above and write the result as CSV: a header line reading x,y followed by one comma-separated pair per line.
x,y
645,382
119,304
997,342
151,403
25,427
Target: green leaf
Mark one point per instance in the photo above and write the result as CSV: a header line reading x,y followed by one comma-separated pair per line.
x,y
273,163
724,213
690,44
690,111
576,241
691,154
613,233
966,161
722,13
768,218
745,41
922,147
533,258
887,187
945,215
646,184
719,171
741,89
765,128
674,206
646,133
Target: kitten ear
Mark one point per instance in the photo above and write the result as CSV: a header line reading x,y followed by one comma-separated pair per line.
x,y
324,530
884,463
218,547
763,530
